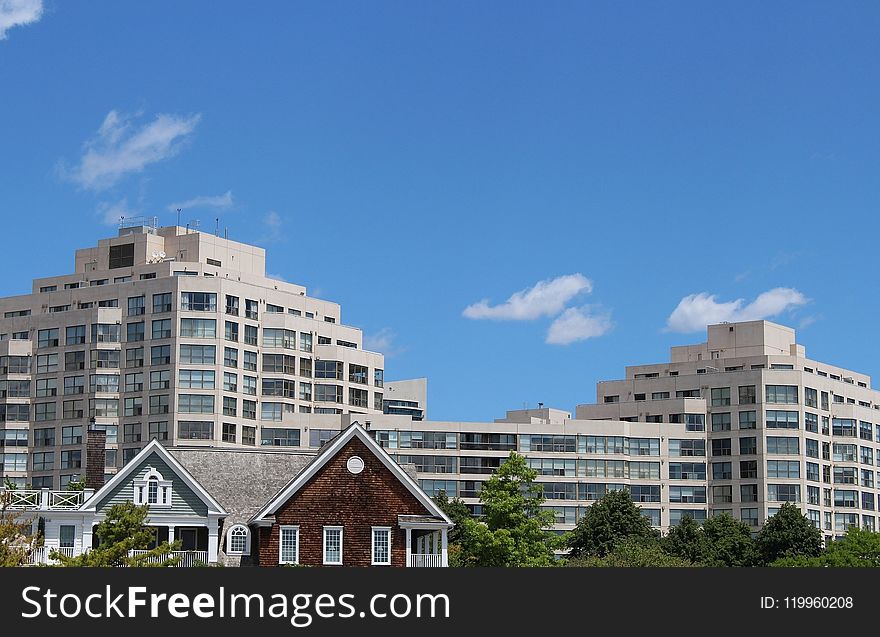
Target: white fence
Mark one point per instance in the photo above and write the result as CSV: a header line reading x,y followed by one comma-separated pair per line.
x,y
186,559
425,560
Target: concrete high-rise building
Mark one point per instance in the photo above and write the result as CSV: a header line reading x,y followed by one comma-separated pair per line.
x,y
178,335
172,334
407,398
779,427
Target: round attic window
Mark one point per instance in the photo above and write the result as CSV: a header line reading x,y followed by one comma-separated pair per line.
x,y
355,465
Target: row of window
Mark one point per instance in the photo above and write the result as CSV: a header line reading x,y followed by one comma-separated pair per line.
x,y
289,545
747,395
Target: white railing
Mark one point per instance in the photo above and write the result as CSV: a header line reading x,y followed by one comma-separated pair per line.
x,y
37,556
20,500
425,560
186,559
44,499
65,499
41,554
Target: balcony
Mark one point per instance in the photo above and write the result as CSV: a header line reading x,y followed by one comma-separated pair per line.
x,y
43,499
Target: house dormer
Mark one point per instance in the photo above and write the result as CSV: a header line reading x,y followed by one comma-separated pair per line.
x,y
152,489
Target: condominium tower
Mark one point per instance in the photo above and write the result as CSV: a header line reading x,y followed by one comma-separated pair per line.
x,y
172,334
780,427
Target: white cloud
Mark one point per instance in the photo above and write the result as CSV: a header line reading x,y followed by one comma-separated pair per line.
x,y
276,277
577,324
204,201
381,341
545,298
273,222
111,212
18,13
120,147
272,227
696,311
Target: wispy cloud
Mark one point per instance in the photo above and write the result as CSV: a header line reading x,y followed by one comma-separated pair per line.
x,y
578,324
121,147
545,298
696,311
277,277
223,202
272,228
112,212
807,321
383,342
18,13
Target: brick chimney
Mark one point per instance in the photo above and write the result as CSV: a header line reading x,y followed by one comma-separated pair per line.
x,y
95,443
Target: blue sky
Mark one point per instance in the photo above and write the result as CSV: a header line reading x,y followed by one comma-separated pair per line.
x,y
656,165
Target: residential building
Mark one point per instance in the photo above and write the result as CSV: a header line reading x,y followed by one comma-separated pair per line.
x,y
169,334
779,426
407,398
350,504
353,505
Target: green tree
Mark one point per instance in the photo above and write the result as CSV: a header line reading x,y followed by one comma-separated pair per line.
x,y
122,531
788,533
859,548
457,511
728,542
17,541
609,521
513,529
686,540
633,553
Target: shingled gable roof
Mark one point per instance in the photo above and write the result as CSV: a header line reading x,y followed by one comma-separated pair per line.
x,y
333,447
214,507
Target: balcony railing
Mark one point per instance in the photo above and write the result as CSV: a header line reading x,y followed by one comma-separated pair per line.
x,y
32,499
425,560
187,559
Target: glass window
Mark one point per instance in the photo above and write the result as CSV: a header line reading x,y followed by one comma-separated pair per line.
x,y
288,546
198,301
720,396
782,394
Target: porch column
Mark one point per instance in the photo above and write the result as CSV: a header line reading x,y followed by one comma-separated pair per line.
x,y
444,549
170,533
86,536
409,547
213,543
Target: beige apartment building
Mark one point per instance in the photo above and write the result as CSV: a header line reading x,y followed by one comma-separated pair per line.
x,y
178,335
172,334
780,427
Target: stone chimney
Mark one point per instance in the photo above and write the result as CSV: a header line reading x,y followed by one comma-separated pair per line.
x,y
95,443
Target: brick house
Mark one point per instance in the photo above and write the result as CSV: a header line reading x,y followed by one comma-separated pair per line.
x,y
353,505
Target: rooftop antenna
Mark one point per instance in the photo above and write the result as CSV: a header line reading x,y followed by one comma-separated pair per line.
x,y
217,231
178,217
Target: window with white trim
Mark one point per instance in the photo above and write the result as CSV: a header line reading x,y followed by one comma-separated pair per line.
x,y
332,545
152,489
381,546
238,540
288,546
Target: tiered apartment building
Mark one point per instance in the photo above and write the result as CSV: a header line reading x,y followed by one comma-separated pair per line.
x,y
172,334
779,427
178,335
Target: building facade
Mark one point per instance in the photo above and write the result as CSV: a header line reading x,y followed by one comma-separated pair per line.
x,y
779,426
171,334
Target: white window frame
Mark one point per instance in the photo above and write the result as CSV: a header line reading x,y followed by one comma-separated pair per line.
x,y
281,530
141,490
341,534
373,531
247,540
